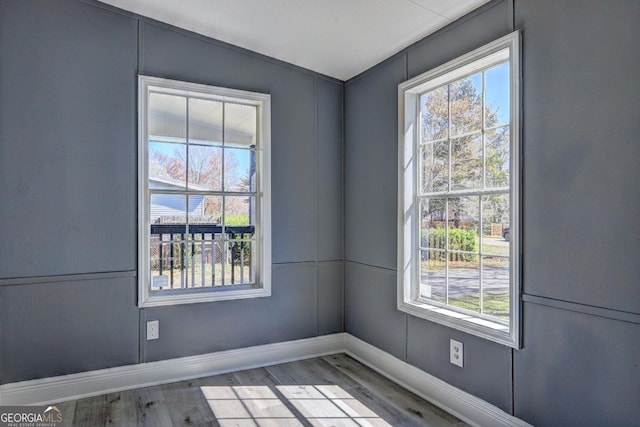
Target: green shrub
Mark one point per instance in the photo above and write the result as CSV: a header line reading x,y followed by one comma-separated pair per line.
x,y
459,240
236,219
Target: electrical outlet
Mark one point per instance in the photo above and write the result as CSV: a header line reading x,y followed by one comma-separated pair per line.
x,y
456,355
153,330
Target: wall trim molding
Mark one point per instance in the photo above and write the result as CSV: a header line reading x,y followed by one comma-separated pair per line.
x,y
465,406
68,278
383,270
607,313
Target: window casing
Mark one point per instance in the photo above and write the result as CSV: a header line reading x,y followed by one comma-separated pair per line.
x,y
459,182
203,193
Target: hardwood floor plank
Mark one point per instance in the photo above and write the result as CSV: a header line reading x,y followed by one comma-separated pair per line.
x,y
187,404
414,407
120,409
218,380
258,376
151,407
382,409
264,377
320,372
331,391
313,371
68,410
90,411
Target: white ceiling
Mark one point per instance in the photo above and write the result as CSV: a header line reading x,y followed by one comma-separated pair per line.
x,y
339,38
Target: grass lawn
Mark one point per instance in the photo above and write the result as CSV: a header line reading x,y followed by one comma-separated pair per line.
x,y
488,248
495,304
437,265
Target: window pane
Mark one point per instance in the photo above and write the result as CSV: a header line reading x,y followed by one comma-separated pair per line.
x,y
435,166
432,275
497,156
206,256
464,263
167,117
240,125
205,240
497,95
464,281
239,210
167,218
239,261
204,209
495,224
213,209
466,105
463,219
205,121
432,223
495,283
168,209
434,114
218,260
466,162
205,168
239,169
157,256
166,165
167,262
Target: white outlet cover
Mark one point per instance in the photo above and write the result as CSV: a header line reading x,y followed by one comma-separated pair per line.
x,y
153,330
456,353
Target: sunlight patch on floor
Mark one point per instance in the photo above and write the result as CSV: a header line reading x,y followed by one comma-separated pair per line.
x,y
264,406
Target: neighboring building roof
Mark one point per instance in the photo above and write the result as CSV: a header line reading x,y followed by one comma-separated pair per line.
x,y
156,183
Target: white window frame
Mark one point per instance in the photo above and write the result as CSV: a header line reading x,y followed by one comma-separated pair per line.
x,y
262,287
408,208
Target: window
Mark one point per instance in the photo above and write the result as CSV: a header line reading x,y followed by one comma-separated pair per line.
x,y
459,174
203,196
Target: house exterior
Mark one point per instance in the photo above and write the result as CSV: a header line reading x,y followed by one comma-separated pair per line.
x,y
165,207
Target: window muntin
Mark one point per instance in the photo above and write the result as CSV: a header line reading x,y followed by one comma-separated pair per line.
x,y
459,185
203,193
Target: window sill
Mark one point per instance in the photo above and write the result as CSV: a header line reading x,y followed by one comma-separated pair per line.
x,y
480,327
159,298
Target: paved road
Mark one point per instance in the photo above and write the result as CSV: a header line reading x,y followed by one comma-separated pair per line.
x,y
466,281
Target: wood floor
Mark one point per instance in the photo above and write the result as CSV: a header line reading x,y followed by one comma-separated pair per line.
x,y
334,390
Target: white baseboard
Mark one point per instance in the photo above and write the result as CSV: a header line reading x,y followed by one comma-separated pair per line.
x,y
93,383
465,406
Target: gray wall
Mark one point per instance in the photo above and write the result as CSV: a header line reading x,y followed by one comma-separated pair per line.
x,y
68,203
581,234
68,192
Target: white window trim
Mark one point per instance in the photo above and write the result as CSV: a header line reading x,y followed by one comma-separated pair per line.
x,y
263,221
408,264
